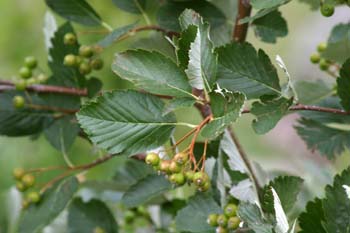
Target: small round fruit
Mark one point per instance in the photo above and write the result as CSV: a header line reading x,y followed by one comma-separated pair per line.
x,y
25,204
86,51
70,60
30,62
20,186
42,78
129,216
70,39
18,102
18,173
84,68
222,220
152,159
200,178
212,220
324,64
315,58
28,180
321,47
230,210
204,187
181,158
33,197
142,211
221,230
32,81
233,223
25,72
164,166
21,85
177,178
189,175
96,63
174,167
327,10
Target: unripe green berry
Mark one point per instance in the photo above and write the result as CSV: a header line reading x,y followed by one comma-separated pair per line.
x,y
96,63
324,64
321,47
21,85
25,204
28,180
177,178
18,102
152,159
181,158
25,72
42,78
233,223
212,220
32,81
69,39
129,216
315,58
20,186
30,62
174,167
164,166
84,68
78,60
70,60
33,197
222,220
142,211
18,173
221,230
189,175
327,10
205,187
86,51
200,178
230,210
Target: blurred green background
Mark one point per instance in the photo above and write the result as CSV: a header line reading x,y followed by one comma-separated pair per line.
x,y
21,23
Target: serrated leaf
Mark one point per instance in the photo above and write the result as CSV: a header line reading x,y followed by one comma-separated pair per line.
x,y
169,13
152,72
319,91
282,225
115,35
268,113
62,133
193,218
250,213
271,26
145,190
126,122
78,11
50,27
242,68
312,219
244,191
343,85
184,44
262,4
347,190
94,86
90,216
131,6
54,200
226,107
288,91
328,141
189,17
259,14
338,45
178,103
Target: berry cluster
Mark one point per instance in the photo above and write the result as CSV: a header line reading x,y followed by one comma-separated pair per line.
x,y
87,59
24,182
29,74
227,221
178,170
316,58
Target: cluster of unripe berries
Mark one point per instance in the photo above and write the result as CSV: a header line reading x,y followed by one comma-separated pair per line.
x,y
24,182
178,170
316,58
87,59
29,74
225,222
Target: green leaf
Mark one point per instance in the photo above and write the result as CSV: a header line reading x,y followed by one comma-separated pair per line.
x,y
21,122
169,13
178,103
184,44
336,204
287,188
338,48
78,11
53,202
94,86
262,4
152,72
131,6
87,217
271,26
258,15
227,108
62,133
268,113
343,85
243,69
115,35
145,190
193,218
327,140
250,213
312,219
126,122
319,91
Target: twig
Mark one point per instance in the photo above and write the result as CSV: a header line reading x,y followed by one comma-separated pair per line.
x,y
52,108
240,30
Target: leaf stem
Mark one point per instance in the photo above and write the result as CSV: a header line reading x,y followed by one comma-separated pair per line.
x,y
107,26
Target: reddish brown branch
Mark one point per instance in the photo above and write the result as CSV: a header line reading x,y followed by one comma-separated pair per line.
x,y
155,28
240,30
